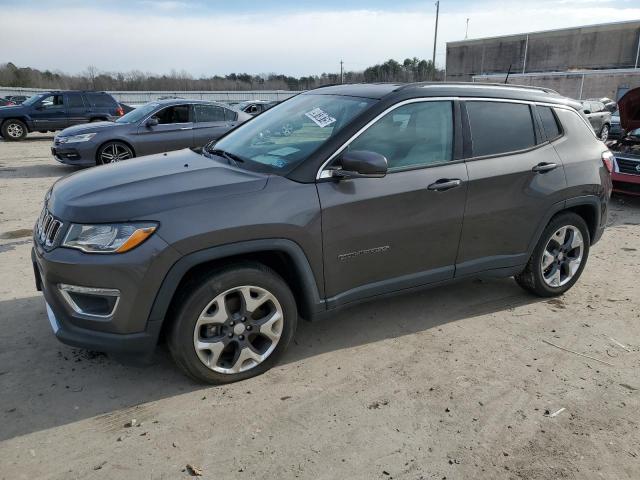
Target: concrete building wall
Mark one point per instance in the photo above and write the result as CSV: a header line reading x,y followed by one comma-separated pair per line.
x,y
604,46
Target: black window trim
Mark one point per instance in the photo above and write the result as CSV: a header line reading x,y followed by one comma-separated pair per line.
x,y
558,123
538,130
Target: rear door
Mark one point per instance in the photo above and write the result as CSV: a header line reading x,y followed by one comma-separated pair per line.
x,y
515,177
50,113
210,123
173,132
403,230
76,108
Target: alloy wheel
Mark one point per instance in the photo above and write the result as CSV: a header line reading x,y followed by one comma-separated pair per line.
x,y
239,329
115,152
604,134
562,256
15,130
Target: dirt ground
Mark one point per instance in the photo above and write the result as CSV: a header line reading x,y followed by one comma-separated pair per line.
x,y
455,383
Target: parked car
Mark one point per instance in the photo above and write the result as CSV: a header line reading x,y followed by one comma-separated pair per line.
x,y
386,188
156,127
626,171
599,118
16,99
51,111
6,103
609,105
615,131
255,107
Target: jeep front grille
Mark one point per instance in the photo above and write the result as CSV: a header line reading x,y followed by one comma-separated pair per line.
x,y
48,228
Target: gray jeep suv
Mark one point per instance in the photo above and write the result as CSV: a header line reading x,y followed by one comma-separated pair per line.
x,y
384,189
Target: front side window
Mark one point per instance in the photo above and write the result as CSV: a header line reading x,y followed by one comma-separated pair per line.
x,y
282,137
52,101
500,127
209,113
412,135
173,114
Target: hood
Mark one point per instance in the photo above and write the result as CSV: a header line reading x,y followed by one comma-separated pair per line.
x,y
10,110
138,188
629,107
89,128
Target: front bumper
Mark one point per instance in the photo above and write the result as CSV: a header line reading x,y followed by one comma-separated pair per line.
x,y
82,154
127,334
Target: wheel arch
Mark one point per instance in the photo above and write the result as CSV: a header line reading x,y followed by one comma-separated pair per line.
x,y
284,256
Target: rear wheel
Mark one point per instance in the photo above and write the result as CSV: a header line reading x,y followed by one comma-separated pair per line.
x,y
604,133
233,324
112,152
14,130
559,257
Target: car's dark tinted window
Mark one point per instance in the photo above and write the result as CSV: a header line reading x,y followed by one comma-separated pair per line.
x,y
74,100
549,122
500,127
412,135
52,101
209,113
99,100
174,114
230,115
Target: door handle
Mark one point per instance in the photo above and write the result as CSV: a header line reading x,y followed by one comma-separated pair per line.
x,y
186,128
445,184
544,167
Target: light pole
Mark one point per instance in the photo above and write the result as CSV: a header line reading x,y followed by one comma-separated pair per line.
x,y
435,41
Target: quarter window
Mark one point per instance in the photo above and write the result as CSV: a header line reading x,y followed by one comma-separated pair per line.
x,y
412,135
209,113
500,127
549,122
173,114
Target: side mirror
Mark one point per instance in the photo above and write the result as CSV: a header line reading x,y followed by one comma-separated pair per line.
x,y
362,163
39,107
152,122
587,112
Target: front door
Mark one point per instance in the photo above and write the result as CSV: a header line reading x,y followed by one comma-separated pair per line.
x,y
50,113
400,231
515,178
173,131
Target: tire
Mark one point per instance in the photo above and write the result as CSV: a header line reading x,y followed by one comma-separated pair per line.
x,y
14,130
112,152
197,321
561,270
604,133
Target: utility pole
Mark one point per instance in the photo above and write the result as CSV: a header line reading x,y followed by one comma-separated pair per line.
x,y
435,40
466,30
341,72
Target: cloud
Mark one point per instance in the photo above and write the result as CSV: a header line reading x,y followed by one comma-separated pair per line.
x,y
296,43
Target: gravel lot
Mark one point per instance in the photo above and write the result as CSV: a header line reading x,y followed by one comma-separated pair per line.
x,y
455,382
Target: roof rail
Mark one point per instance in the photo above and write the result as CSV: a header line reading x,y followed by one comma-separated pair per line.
x,y
487,84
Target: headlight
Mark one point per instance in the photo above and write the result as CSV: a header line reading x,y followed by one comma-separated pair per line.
x,y
108,238
85,137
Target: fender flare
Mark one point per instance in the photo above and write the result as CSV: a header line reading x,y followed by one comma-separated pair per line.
x,y
311,300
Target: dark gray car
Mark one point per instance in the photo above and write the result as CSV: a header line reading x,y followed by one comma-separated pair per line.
x,y
156,127
384,189
599,118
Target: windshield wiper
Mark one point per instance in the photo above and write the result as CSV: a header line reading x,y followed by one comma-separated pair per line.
x,y
231,157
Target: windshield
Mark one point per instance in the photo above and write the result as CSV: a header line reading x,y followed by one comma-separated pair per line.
x,y
33,99
288,133
138,114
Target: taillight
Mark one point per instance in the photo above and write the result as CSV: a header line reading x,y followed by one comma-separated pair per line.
x,y
119,111
608,159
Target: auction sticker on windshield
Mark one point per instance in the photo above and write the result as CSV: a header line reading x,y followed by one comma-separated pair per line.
x,y
320,117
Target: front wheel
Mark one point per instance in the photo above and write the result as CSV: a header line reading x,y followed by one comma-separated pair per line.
x,y
233,324
113,152
559,257
14,130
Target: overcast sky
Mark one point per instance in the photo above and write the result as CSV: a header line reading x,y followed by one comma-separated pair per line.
x,y
295,37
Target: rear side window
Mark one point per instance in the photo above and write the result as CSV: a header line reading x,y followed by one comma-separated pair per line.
x,y
209,113
75,100
500,127
549,122
99,100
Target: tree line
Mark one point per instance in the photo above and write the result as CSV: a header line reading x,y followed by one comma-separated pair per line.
x,y
411,70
